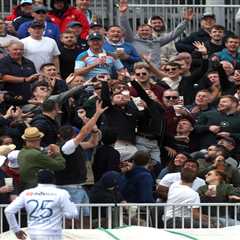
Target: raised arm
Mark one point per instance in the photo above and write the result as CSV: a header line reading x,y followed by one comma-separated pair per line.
x,y
187,16
124,22
153,68
88,127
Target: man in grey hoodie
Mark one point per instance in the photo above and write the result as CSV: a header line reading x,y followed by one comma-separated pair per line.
x,y
144,42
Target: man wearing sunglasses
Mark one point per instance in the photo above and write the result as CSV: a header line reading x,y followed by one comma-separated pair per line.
x,y
142,76
40,14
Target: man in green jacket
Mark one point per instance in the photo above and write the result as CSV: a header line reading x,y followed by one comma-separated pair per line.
x,y
31,158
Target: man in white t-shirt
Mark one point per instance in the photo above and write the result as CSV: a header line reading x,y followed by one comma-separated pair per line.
x,y
39,49
45,206
170,178
181,192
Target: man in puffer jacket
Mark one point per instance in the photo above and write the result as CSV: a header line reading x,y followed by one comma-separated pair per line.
x,y
62,14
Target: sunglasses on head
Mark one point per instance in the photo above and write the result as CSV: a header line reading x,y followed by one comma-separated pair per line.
x,y
171,97
141,74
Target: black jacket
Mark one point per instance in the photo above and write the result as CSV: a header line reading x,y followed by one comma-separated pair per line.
x,y
122,120
48,126
185,45
153,121
106,159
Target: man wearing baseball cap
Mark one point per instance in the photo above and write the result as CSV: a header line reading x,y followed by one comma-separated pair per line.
x,y
95,60
25,9
39,14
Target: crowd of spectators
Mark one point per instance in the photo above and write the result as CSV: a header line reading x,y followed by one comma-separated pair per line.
x,y
137,115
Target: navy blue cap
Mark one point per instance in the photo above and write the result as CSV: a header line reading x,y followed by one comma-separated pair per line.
x,y
36,24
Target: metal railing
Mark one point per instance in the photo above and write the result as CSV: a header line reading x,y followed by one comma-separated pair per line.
x,y
215,215
141,10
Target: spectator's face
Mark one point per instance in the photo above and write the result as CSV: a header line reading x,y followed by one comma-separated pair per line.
x,y
216,35
2,26
227,144
97,29
36,32
157,25
58,4
180,159
207,23
170,98
212,151
38,2
16,51
77,81
41,92
49,71
236,77
115,34
68,39
26,8
83,4
172,71
119,100
232,44
184,66
202,98
39,16
214,78
191,166
77,30
7,141
95,44
225,105
145,32
211,177
184,127
141,75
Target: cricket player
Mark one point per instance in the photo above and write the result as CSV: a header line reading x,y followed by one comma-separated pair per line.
x,y
45,206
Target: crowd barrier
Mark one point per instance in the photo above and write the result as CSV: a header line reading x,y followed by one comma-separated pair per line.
x,y
148,215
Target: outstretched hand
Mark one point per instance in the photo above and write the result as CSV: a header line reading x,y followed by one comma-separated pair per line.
x,y
200,47
99,109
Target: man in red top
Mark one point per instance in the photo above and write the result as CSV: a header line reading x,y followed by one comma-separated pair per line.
x,y
62,14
